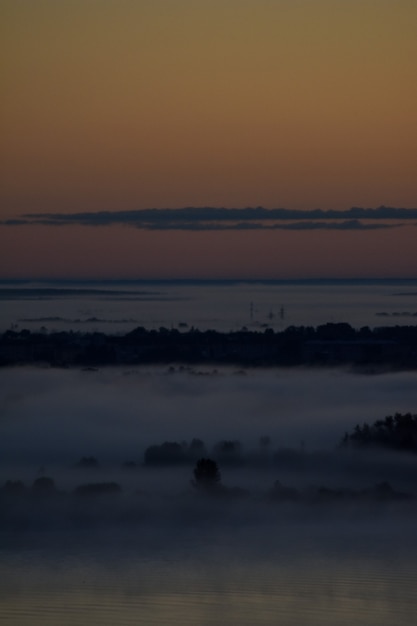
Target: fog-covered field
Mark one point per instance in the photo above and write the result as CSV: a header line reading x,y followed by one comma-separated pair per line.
x,y
51,418
57,415
161,551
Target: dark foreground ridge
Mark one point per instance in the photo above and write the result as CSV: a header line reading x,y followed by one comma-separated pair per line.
x,y
327,345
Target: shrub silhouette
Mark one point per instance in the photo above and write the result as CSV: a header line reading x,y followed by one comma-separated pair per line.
x,y
174,453
14,487
87,462
196,449
228,451
206,474
98,489
168,453
43,484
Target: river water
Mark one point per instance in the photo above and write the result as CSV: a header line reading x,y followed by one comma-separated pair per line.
x,y
298,574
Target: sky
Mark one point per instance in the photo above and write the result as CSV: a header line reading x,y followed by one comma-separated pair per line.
x,y
111,108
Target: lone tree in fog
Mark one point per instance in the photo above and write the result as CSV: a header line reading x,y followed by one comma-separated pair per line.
x,y
206,474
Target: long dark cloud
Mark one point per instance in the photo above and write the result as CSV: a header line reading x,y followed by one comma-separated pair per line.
x,y
210,218
302,225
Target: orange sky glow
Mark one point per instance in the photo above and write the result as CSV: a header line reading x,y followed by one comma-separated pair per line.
x,y
117,105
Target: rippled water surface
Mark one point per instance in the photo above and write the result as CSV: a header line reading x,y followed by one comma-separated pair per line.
x,y
361,573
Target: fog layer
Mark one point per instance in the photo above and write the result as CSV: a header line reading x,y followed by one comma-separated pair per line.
x,y
59,415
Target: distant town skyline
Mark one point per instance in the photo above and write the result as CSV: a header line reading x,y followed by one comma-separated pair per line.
x,y
112,108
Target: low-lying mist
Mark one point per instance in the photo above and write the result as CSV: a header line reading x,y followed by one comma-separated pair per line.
x,y
50,419
49,415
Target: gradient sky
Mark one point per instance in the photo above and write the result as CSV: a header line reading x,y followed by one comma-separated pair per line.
x,y
119,105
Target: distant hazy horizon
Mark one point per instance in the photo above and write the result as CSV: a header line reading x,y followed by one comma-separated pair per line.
x,y
359,280
224,305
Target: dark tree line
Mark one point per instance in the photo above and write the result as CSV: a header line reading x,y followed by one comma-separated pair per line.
x,y
398,432
174,453
327,344
227,452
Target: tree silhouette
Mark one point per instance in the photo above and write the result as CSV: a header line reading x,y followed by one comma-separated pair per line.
x,y
168,453
44,485
397,431
98,489
206,474
228,451
88,462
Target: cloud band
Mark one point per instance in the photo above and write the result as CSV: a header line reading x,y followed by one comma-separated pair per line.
x,y
209,218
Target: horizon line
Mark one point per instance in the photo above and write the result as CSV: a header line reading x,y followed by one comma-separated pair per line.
x,y
208,279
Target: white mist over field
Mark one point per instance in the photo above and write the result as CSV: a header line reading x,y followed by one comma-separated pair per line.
x,y
49,415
